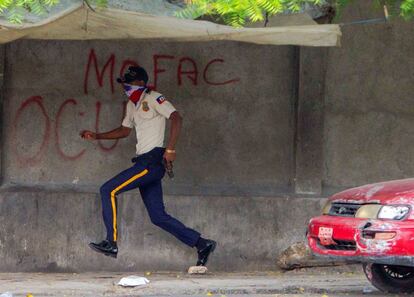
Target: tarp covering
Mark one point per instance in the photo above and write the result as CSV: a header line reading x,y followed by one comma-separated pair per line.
x,y
78,22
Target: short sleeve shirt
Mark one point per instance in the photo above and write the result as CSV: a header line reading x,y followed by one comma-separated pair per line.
x,y
148,117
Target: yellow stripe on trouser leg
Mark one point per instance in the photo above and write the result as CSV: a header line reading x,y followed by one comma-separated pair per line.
x,y
113,194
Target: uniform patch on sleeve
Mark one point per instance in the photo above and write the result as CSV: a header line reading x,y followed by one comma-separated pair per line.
x,y
161,99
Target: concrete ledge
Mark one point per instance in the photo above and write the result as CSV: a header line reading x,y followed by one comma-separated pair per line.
x,y
46,231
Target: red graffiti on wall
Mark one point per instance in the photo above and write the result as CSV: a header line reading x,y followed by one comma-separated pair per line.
x,y
233,80
99,74
57,134
102,72
97,119
161,64
37,101
191,74
45,137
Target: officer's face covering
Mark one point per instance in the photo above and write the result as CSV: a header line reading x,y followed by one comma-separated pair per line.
x,y
130,89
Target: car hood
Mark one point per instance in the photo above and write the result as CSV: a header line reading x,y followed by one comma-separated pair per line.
x,y
390,192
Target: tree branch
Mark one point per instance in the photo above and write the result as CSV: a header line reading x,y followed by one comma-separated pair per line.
x,y
89,5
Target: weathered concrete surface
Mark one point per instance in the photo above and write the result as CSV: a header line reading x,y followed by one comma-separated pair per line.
x,y
41,231
310,121
369,110
308,283
238,125
2,67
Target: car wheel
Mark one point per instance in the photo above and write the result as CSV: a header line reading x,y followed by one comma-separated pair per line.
x,y
390,278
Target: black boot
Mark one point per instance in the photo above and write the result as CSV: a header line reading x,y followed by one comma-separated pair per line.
x,y
203,253
105,247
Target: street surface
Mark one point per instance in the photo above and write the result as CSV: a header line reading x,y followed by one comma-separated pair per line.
x,y
342,282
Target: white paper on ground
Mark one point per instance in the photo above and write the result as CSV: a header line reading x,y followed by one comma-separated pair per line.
x,y
133,281
197,270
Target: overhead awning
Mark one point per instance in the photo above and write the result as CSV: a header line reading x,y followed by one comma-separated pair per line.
x,y
78,22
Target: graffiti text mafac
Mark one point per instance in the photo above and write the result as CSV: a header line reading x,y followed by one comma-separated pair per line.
x,y
185,67
100,72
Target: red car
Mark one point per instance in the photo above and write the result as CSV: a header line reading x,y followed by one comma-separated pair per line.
x,y
372,224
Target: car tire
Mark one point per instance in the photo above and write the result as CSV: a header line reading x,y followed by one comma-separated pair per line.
x,y
390,278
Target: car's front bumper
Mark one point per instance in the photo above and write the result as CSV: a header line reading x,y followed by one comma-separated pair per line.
x,y
353,245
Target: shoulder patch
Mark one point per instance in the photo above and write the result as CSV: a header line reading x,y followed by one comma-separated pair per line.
x,y
161,99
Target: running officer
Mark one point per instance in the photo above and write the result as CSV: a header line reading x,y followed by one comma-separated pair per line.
x,y
146,111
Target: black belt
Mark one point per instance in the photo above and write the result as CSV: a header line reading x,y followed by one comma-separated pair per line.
x,y
153,156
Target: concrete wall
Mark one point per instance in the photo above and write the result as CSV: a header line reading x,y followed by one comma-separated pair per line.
x,y
238,129
369,106
238,136
263,125
49,231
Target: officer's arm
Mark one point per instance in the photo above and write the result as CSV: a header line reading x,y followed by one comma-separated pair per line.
x,y
176,123
117,133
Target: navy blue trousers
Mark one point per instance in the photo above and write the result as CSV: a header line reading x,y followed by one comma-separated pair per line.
x,y
146,175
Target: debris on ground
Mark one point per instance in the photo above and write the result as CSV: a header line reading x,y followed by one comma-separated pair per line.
x,y
197,270
132,281
299,255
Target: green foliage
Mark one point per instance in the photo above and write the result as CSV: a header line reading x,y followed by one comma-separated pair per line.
x,y
407,8
14,10
237,12
233,12
403,8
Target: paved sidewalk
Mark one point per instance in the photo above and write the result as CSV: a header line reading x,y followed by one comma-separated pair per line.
x,y
305,282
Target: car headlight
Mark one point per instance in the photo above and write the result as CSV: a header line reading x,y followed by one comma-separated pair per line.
x,y
393,212
368,211
327,207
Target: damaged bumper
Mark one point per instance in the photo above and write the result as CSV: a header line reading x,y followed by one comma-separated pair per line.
x,y
362,240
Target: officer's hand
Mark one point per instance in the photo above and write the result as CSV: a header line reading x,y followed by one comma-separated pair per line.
x,y
89,135
169,157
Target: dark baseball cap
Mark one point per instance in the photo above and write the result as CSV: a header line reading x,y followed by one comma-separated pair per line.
x,y
134,73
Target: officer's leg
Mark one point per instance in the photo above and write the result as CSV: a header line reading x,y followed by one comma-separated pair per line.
x,y
126,180
153,199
